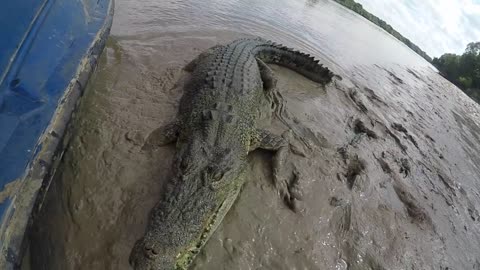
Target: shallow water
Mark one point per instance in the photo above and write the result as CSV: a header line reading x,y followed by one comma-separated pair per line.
x,y
412,206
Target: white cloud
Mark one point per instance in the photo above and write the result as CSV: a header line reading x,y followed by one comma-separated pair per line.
x,y
436,26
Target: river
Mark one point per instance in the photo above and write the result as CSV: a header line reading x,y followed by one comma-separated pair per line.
x,y
412,203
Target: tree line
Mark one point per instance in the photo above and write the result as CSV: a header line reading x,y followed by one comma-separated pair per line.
x,y
462,70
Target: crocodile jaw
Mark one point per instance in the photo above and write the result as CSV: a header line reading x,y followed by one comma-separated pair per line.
x,y
185,259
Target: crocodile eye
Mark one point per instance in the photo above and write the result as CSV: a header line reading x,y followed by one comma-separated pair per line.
x,y
217,176
209,172
215,173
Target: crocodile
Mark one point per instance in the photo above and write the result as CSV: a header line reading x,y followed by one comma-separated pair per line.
x,y
215,129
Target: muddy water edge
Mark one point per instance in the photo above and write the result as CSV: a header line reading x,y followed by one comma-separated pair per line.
x,y
390,176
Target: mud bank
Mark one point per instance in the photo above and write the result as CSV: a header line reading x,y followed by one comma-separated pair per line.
x,y
389,180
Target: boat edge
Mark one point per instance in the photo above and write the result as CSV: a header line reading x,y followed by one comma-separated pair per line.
x,y
38,175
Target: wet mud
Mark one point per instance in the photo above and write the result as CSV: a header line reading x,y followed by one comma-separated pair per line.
x,y
388,176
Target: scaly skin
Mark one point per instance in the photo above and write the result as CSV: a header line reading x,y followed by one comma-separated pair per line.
x,y
214,132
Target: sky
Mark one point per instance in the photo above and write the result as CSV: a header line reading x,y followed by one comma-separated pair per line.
x,y
436,26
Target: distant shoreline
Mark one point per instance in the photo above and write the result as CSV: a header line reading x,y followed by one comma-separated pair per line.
x,y
358,8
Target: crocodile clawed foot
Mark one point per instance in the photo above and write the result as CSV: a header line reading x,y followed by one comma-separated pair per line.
x,y
289,190
288,136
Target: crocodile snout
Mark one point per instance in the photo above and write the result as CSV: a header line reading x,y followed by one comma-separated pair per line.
x,y
145,256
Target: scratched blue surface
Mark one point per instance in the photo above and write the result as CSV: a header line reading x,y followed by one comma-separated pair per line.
x,y
41,45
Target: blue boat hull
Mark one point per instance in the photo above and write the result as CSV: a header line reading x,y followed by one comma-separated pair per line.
x,y
49,50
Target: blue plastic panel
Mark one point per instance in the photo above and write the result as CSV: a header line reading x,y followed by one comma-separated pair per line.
x,y
46,61
16,17
44,45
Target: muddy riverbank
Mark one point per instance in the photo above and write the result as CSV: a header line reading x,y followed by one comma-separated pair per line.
x,y
390,176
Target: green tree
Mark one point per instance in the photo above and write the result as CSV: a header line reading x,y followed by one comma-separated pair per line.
x,y
466,82
448,65
473,47
462,70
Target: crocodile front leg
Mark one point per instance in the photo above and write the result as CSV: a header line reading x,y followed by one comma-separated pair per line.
x,y
287,188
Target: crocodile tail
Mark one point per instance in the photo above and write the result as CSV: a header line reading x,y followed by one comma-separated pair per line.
x,y
302,63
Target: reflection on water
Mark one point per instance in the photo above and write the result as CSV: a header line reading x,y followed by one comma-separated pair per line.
x,y
412,206
320,27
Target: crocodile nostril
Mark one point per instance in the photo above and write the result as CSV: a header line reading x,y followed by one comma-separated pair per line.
x,y
150,252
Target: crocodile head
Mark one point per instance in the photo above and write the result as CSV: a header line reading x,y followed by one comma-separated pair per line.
x,y
180,225
175,247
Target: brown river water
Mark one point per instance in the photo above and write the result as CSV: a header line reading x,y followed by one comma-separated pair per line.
x,y
391,175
